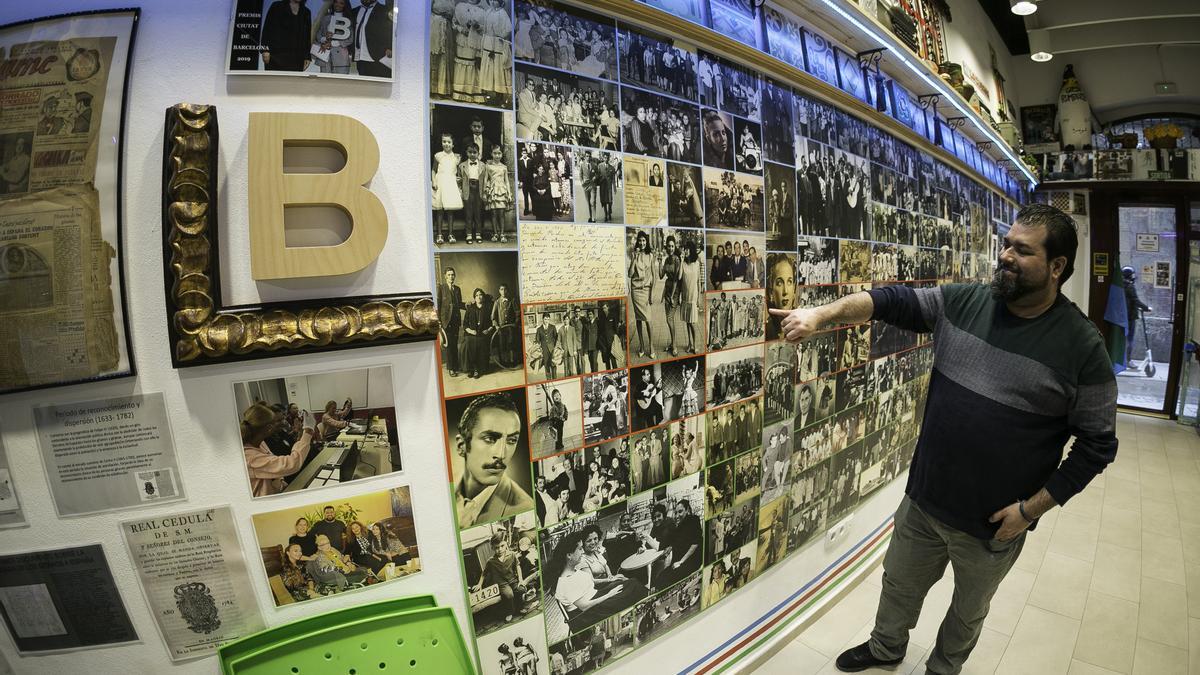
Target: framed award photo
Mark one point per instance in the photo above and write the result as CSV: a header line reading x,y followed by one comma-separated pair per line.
x,y
62,294
327,38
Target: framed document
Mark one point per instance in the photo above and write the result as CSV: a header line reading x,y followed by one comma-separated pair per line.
x,y
62,295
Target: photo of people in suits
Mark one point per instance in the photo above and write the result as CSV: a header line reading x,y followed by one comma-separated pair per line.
x,y
479,322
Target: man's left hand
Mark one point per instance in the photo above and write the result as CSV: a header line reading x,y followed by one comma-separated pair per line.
x,y
1012,523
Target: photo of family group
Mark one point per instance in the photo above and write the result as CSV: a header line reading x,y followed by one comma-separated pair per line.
x,y
331,547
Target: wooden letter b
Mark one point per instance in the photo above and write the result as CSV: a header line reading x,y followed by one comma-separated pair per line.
x,y
272,190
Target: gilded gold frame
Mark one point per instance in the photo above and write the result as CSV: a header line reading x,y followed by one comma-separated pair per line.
x,y
202,330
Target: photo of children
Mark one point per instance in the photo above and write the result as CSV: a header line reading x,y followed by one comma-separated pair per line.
x,y
471,171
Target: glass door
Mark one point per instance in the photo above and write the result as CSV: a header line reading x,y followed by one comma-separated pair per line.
x,y
1149,258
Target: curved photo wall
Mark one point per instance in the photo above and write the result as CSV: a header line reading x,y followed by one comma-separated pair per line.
x,y
614,212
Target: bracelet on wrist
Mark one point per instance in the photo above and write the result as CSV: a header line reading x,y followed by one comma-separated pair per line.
x,y
1021,508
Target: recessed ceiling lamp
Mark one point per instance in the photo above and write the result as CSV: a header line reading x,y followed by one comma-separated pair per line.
x,y
1022,7
1039,45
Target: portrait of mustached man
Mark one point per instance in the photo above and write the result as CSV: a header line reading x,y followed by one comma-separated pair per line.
x,y
488,437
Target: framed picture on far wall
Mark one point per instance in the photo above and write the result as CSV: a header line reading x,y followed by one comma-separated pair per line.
x,y
343,38
1037,128
62,296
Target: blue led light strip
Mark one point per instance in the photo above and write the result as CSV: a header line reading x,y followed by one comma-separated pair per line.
x,y
900,52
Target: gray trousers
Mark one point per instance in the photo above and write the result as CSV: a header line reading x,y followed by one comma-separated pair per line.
x,y
916,559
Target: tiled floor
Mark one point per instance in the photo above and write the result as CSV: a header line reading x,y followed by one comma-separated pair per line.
x,y
1108,584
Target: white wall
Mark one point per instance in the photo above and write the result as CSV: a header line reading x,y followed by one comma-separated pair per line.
x,y
178,57
967,39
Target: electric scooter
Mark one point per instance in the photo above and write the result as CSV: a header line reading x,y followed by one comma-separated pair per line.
x,y
1148,365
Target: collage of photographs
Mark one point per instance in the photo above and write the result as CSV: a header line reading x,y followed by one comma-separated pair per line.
x,y
622,461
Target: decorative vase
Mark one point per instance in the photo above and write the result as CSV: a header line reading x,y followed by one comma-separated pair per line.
x,y
1074,113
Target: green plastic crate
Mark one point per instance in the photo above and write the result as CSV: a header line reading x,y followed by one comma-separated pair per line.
x,y
404,635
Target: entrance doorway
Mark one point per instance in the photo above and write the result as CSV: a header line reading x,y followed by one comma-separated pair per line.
x,y
1149,254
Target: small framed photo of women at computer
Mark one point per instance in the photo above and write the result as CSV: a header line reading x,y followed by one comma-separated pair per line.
x,y
307,431
352,39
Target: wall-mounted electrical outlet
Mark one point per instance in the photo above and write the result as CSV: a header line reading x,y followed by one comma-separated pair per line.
x,y
837,532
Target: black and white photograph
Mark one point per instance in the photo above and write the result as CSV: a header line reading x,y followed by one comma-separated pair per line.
x,y
658,63
557,107
666,282
781,207
471,169
809,487
333,38
805,523
645,191
784,40
734,429
728,573
737,19
598,186
501,566
772,532
781,289
845,475
470,52
748,469
735,318
854,261
738,91
734,201
670,519
685,207
564,37
776,461
667,391
731,530
720,488
814,199
605,406
719,144
848,192
573,338
818,356
659,126
649,457
583,578
748,154
555,417
778,129
519,648
479,330
658,616
817,261
479,463
854,386
813,445
687,446
778,389
885,262
815,296
573,483
734,374
544,176
735,261
596,646
854,345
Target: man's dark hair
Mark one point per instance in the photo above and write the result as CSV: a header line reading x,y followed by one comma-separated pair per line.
x,y
499,400
1062,238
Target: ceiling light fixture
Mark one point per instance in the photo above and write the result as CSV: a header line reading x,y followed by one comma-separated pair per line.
x,y
898,53
1022,7
1039,45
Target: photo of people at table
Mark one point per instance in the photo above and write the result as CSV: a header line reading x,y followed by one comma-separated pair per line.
x,y
501,564
330,547
582,481
311,431
558,107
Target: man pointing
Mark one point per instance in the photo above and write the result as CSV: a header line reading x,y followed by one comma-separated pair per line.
x,y
1017,370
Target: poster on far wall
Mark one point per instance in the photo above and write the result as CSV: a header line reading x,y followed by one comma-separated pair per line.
x,y
194,578
329,38
62,600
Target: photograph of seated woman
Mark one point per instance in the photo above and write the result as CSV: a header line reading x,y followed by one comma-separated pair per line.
x,y
266,469
579,577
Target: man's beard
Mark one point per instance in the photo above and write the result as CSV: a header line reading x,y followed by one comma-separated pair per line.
x,y
1010,288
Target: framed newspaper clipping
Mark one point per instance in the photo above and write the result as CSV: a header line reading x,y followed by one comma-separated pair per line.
x,y
62,117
